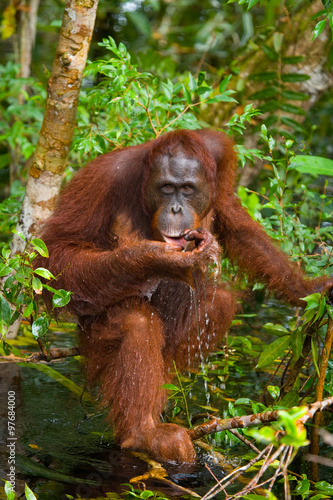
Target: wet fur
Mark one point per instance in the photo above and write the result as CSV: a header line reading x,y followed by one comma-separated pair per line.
x,y
132,294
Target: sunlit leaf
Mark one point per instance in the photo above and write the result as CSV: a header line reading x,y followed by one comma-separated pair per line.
x,y
45,273
10,493
29,494
318,28
40,246
314,165
314,351
40,326
37,285
61,298
171,387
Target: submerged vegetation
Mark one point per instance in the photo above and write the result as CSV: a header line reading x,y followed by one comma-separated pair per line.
x,y
276,360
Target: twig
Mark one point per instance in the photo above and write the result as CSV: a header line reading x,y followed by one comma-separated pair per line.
x,y
224,464
217,480
233,476
244,440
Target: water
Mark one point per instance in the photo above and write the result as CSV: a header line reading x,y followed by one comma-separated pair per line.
x,y
64,446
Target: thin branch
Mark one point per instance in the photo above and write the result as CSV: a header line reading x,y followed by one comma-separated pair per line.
x,y
244,440
218,425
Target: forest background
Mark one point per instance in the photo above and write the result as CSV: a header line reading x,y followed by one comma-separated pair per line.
x,y
262,71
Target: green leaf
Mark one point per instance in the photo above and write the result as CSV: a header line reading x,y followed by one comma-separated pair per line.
x,y
167,92
325,487
29,309
40,246
314,350
243,401
45,273
61,298
319,496
296,343
204,90
318,28
294,96
192,83
40,326
171,387
10,493
5,253
294,77
4,270
19,234
303,487
292,59
314,165
187,95
274,391
291,399
297,127
275,328
29,494
329,310
251,4
5,314
270,53
278,41
263,77
37,285
291,108
313,297
266,93
221,98
224,84
146,494
273,351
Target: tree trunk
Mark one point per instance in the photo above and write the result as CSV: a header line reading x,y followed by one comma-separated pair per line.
x,y
26,32
50,157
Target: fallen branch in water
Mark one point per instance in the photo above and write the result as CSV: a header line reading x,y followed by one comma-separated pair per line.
x,y
284,453
37,357
54,353
218,425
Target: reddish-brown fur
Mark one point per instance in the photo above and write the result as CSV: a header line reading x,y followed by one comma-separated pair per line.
x,y
132,296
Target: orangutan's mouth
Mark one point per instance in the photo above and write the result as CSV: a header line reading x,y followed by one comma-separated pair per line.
x,y
175,240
